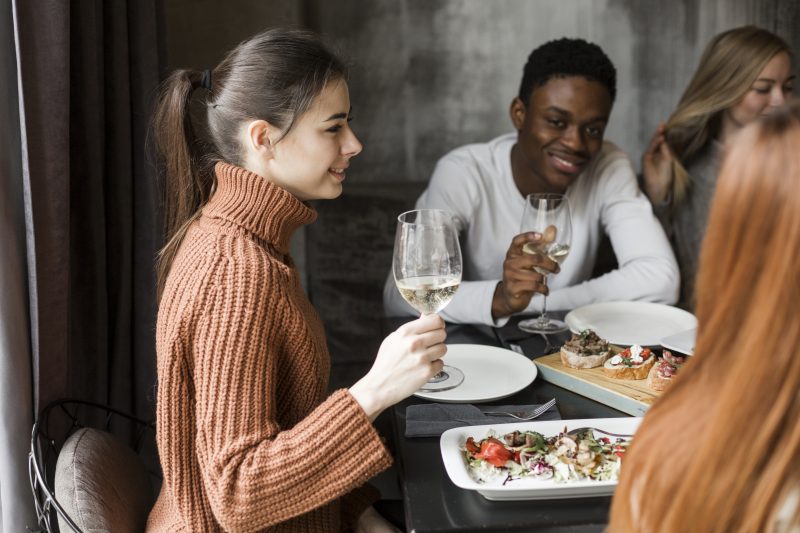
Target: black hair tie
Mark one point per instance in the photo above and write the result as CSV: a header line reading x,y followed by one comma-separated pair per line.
x,y
205,82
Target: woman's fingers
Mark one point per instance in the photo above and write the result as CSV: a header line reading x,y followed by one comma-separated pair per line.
x,y
664,150
422,324
436,366
657,143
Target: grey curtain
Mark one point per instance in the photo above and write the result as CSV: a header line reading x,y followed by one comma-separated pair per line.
x,y
16,402
79,222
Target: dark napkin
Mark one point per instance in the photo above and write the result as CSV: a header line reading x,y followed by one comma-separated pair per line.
x,y
433,419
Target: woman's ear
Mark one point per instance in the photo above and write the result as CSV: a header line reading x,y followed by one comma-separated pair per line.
x,y
517,112
260,138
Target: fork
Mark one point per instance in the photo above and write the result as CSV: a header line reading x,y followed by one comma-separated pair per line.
x,y
579,430
548,348
524,415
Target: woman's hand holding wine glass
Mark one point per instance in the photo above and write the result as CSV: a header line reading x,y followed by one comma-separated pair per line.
x,y
427,270
406,360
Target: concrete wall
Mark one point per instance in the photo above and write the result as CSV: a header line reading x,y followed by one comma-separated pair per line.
x,y
430,75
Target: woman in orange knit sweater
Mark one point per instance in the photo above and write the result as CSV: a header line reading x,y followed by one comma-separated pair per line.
x,y
248,440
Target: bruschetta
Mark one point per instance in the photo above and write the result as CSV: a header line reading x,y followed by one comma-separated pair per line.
x,y
664,371
631,363
585,350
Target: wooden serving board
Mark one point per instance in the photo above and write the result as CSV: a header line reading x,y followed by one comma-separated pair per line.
x,y
631,396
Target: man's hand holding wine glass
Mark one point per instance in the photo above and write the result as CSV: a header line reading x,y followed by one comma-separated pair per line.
x,y
521,276
548,215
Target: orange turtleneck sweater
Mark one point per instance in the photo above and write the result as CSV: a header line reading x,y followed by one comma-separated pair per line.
x,y
247,439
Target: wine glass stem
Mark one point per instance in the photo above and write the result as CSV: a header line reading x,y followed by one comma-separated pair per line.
x,y
543,316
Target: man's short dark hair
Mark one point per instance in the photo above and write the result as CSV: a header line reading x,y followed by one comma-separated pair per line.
x,y
567,57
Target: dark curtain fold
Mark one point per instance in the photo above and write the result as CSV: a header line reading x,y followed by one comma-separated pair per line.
x,y
114,227
89,72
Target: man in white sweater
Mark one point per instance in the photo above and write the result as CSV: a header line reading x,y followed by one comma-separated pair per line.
x,y
565,99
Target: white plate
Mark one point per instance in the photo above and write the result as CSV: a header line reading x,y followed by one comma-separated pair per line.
x,y
682,342
627,323
453,440
490,373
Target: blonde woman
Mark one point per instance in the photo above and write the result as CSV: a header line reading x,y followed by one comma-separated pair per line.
x,y
719,451
743,73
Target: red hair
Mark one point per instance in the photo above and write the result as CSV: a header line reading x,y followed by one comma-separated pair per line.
x,y
720,451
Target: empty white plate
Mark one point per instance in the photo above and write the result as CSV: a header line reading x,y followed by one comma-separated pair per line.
x,y
490,373
627,323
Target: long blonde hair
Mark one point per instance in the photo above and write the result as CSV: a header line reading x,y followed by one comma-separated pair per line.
x,y
719,451
728,67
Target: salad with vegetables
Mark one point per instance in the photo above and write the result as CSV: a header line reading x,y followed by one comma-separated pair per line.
x,y
562,458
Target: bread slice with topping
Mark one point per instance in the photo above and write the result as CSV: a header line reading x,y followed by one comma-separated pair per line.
x,y
585,350
664,371
631,363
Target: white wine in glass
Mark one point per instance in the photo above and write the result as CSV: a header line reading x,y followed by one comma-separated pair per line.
x,y
427,271
549,215
428,294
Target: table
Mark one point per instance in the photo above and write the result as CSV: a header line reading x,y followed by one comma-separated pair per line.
x,y
432,503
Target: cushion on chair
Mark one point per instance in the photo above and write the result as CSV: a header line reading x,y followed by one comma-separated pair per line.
x,y
102,484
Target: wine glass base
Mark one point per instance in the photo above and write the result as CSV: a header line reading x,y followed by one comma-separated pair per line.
x,y
449,378
546,326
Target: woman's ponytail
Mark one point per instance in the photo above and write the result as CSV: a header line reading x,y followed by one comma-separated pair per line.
x,y
186,185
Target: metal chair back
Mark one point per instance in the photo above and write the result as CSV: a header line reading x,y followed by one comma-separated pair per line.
x,y
55,424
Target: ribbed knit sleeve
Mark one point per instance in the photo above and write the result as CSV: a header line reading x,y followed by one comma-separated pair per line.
x,y
255,472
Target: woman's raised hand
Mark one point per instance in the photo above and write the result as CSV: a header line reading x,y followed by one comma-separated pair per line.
x,y
657,167
406,360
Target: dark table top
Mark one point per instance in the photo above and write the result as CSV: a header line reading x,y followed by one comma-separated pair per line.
x,y
433,503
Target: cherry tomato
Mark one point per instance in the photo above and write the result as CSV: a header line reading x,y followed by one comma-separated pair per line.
x,y
494,452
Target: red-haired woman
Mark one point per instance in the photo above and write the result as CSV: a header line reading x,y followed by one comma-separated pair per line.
x,y
721,450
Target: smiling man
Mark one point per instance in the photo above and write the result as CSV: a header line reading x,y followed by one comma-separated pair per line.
x,y
565,98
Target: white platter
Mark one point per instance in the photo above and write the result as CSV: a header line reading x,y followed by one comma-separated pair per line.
x,y
453,440
490,373
626,323
682,342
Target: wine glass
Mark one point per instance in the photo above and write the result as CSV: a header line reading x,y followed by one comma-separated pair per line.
x,y
547,214
427,271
